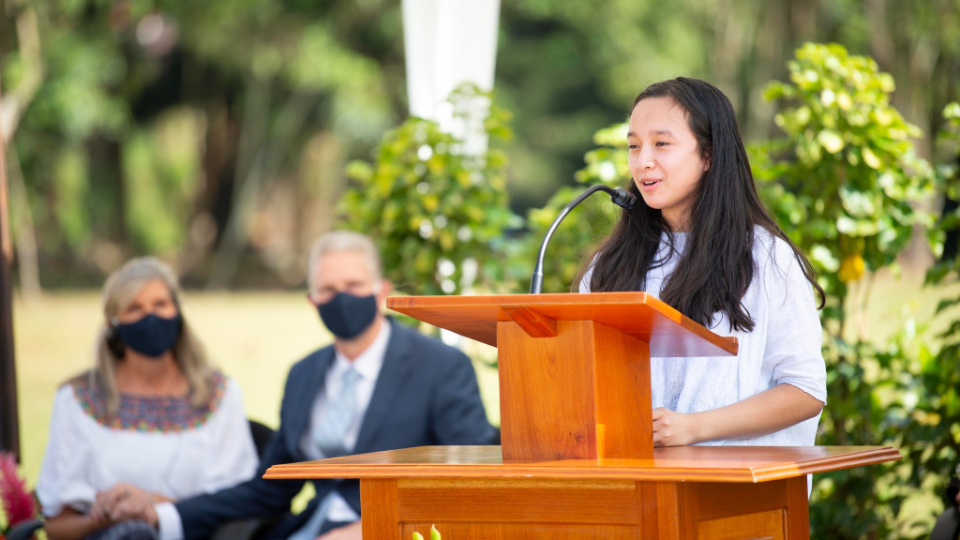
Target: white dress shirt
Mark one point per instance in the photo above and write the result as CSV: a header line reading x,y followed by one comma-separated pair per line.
x,y
783,348
368,365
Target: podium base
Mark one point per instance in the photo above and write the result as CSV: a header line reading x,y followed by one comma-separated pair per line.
x,y
681,493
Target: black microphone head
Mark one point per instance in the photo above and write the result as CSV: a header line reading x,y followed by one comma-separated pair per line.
x,y
624,198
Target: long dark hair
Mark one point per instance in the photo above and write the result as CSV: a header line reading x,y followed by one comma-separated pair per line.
x,y
717,265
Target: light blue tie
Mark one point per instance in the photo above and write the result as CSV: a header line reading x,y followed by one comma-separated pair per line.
x,y
311,529
328,435
330,432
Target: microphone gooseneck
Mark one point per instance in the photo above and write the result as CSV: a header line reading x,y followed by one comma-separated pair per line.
x,y
619,196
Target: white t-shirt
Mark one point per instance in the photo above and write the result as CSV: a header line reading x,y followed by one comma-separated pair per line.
x,y
158,444
783,348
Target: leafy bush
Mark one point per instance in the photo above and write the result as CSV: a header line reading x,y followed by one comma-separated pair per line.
x,y
930,441
426,203
843,183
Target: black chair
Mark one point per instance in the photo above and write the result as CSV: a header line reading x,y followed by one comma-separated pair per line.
x,y
245,529
248,529
947,526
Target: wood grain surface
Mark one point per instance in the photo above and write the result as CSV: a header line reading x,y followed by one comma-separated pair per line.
x,y
582,394
534,323
798,501
622,388
547,393
382,494
513,531
511,501
638,314
760,526
680,463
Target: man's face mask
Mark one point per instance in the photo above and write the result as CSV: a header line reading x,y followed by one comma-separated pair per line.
x,y
347,316
150,336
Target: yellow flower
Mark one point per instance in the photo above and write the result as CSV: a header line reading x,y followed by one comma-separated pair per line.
x,y
851,268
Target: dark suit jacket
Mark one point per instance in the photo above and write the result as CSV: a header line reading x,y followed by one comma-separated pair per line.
x,y
426,394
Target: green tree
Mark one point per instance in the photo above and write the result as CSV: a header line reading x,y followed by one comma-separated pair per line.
x,y
145,127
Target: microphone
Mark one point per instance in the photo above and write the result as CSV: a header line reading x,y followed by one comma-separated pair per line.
x,y
621,197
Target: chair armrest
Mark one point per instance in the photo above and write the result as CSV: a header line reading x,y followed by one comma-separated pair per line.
x,y
241,529
24,530
947,525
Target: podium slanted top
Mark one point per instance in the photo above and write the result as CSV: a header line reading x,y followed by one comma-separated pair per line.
x,y
638,314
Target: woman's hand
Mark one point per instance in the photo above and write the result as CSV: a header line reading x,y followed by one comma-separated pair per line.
x,y
671,428
771,410
124,502
108,501
136,507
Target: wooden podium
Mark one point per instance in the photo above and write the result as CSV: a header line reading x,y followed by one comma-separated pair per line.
x,y
577,457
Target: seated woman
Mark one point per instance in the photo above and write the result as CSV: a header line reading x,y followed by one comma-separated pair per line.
x,y
152,422
700,240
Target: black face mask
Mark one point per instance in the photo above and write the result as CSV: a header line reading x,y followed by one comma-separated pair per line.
x,y
347,316
150,336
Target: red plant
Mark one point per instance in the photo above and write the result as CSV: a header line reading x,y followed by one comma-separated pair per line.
x,y
18,505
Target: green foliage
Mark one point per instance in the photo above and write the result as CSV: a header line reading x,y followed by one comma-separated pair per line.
x,y
94,85
934,434
841,183
162,164
435,213
566,68
576,237
303,47
843,189
76,97
71,187
949,138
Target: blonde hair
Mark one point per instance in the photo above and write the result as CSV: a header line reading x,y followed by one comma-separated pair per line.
x,y
338,241
119,290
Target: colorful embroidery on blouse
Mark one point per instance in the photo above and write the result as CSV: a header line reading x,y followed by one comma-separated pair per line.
x,y
161,414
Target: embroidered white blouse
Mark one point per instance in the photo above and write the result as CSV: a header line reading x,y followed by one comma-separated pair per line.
x,y
159,444
783,348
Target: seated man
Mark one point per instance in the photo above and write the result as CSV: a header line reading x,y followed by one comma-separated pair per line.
x,y
380,386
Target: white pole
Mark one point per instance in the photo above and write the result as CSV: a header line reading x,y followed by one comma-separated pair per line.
x,y
450,42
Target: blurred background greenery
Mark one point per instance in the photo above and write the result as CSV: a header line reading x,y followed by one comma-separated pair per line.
x,y
216,133
225,135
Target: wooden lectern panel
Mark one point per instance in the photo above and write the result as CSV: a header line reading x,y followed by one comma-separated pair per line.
x,y
672,464
582,394
638,314
547,406
522,531
759,526
519,508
